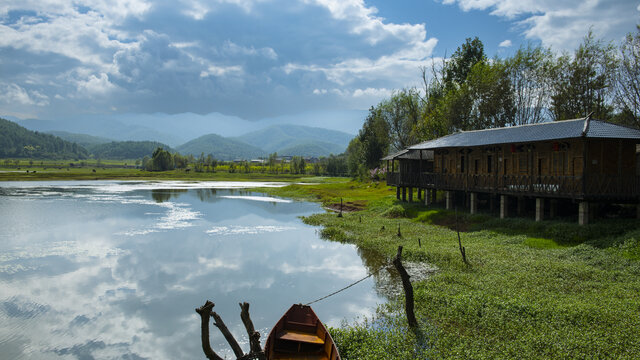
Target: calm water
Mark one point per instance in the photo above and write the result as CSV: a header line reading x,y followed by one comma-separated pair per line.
x,y
114,270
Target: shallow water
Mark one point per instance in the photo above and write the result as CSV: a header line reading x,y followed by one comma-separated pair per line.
x,y
114,270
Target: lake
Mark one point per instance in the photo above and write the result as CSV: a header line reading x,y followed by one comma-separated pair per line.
x,y
115,269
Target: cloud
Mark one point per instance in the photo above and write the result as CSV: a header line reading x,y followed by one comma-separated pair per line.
x,y
505,44
561,24
13,93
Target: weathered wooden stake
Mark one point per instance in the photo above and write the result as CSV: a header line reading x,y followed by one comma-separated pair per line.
x,y
419,243
408,289
399,233
340,213
462,249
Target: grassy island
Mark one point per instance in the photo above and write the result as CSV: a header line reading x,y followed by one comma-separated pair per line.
x,y
552,289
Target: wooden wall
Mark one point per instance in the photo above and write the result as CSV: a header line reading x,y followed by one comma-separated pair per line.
x,y
555,158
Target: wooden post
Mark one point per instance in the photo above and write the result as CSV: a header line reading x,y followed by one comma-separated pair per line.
x,y
408,289
404,194
539,209
473,203
410,194
583,213
449,199
504,206
398,192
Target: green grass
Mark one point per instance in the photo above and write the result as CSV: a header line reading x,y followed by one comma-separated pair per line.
x,y
548,290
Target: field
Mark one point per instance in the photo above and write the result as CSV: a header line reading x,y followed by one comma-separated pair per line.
x,y
532,290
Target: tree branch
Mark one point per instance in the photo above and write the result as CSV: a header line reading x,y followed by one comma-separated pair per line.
x,y
408,289
227,335
205,313
254,336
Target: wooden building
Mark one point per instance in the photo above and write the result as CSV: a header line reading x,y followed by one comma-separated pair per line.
x,y
587,161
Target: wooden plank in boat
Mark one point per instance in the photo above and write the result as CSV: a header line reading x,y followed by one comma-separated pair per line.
x,y
300,337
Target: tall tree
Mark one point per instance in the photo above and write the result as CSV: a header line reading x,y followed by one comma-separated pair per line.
x,y
627,89
529,73
402,112
463,59
583,84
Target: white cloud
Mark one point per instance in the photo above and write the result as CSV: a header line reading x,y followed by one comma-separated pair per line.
x,y
218,71
231,48
505,44
13,93
198,9
363,21
95,85
561,24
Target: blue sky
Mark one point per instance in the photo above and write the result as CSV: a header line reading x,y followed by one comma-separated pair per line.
x,y
247,60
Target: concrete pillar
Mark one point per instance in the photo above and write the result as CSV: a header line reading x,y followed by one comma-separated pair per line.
x,y
404,194
583,213
398,192
410,194
539,209
473,203
520,205
492,203
427,197
504,206
553,208
449,199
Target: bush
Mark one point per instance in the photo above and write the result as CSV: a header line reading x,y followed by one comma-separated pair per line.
x,y
396,211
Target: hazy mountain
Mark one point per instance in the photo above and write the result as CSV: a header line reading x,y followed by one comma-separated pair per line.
x,y
123,150
18,142
80,139
220,148
278,138
313,149
107,128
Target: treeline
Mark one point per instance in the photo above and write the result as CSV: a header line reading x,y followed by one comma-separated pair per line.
x,y
164,160
124,150
18,142
470,91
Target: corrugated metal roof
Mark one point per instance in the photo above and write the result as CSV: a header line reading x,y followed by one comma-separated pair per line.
x,y
410,154
556,130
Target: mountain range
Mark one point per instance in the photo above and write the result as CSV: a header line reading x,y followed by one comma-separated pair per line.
x,y
283,139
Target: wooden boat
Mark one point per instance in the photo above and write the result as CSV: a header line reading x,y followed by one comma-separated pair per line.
x,y
299,335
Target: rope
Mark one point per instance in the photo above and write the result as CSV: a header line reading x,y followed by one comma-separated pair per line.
x,y
343,289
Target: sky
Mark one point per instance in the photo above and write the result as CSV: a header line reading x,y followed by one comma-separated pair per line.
x,y
250,60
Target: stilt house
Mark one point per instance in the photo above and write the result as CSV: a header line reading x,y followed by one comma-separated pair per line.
x,y
586,161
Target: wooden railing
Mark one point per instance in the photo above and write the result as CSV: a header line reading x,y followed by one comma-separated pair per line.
x,y
594,186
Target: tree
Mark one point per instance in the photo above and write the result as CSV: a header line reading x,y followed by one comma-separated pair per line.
x,y
529,74
373,139
489,90
162,160
583,84
401,113
462,60
627,89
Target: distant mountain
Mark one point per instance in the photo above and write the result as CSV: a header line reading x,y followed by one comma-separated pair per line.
x,y
220,148
106,128
281,138
80,139
312,149
122,150
18,142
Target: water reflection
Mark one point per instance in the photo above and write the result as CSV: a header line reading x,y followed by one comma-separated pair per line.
x,y
90,270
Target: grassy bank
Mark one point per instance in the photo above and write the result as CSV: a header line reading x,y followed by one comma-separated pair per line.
x,y
532,290
42,173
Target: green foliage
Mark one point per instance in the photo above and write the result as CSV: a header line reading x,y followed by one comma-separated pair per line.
x,y
162,160
395,211
462,60
627,81
122,150
583,83
533,290
18,142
